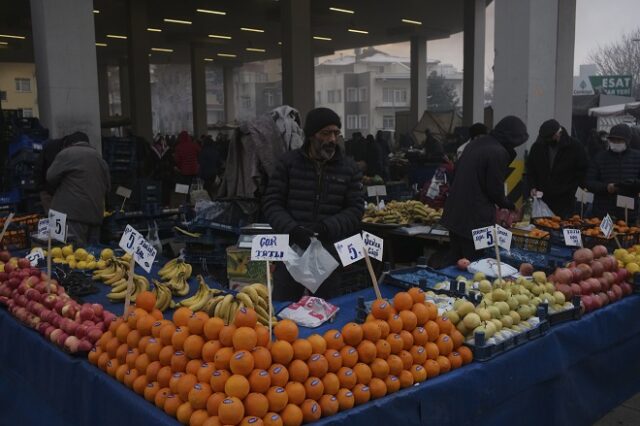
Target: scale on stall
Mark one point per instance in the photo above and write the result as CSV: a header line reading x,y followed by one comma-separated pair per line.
x,y
247,233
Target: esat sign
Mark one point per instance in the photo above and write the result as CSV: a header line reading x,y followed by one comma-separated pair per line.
x,y
373,244
350,250
129,239
273,247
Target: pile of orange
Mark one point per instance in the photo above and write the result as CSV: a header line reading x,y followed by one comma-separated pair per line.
x,y
205,373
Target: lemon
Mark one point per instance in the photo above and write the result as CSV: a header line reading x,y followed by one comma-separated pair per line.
x,y
81,254
90,258
73,264
126,257
67,250
632,267
628,258
101,264
106,254
59,261
56,252
91,264
81,265
69,258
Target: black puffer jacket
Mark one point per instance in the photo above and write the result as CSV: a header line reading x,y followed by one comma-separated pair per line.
x,y
611,167
478,186
302,193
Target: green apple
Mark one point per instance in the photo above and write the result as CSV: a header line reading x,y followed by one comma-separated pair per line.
x,y
471,320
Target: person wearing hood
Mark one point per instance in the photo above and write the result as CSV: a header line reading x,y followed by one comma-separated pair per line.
x,y
475,131
556,166
80,180
186,157
478,187
614,172
315,191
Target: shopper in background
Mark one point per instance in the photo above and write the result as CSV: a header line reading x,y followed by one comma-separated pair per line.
x,y
478,187
385,150
315,191
49,151
556,166
80,179
596,143
475,131
373,157
614,172
186,157
210,164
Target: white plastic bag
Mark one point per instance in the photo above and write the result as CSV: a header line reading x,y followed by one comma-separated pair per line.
x,y
154,238
312,267
490,268
540,209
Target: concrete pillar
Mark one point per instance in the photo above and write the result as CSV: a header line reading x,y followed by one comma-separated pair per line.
x,y
66,67
564,61
298,79
229,94
474,45
123,72
418,80
139,84
198,91
103,91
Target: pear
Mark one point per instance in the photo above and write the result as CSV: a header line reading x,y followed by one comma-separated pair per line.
x,y
512,302
497,323
516,317
522,299
484,286
524,312
548,298
479,276
494,311
462,328
452,316
499,295
549,287
464,308
536,301
483,313
536,290
504,307
559,297
488,331
471,321
507,321
540,277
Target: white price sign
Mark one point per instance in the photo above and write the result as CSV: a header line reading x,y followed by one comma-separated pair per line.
x,y
584,196
374,245
182,189
129,239
58,225
483,237
43,229
504,237
35,256
572,237
376,190
144,254
350,250
123,192
273,247
606,226
625,202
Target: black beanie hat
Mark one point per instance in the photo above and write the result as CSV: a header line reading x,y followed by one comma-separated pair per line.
x,y
620,131
74,138
477,129
319,118
549,128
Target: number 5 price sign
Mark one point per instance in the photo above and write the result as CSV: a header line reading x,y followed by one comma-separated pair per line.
x,y
352,249
488,237
57,231
128,242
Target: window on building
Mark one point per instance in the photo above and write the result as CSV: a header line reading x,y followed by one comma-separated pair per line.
x,y
387,94
23,84
331,96
3,95
363,94
338,96
318,97
400,96
352,94
364,121
352,122
246,101
268,96
388,122
27,112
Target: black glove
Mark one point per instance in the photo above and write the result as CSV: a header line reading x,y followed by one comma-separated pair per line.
x,y
629,186
301,237
321,230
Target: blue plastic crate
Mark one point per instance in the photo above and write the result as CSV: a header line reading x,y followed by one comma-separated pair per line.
x,y
11,197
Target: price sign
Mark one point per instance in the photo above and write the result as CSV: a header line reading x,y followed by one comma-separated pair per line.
x,y
123,192
350,250
58,225
376,190
374,245
572,237
483,237
606,226
272,247
182,189
43,229
625,202
584,196
144,254
504,237
129,239
35,256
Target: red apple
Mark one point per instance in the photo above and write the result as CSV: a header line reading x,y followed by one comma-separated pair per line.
x,y
612,296
626,288
617,290
5,256
463,264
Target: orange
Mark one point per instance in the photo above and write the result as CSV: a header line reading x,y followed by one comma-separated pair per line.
x,y
334,359
256,404
133,338
237,386
352,334
264,339
347,377
212,328
432,350
311,411
231,411
151,390
144,324
419,373
282,352
153,349
432,367
121,371
383,349
209,350
212,421
384,327
331,383
173,383
152,371
122,332
444,324
361,393
185,410
419,354
245,317
318,365
161,397
171,404
455,360
409,320
222,358
349,356
121,353
157,327
407,359
395,323
164,375
241,363
94,354
445,365
392,383
219,379
381,309
262,357
363,373
420,336
226,335
367,351
114,326
286,330
272,419
179,337
181,316
133,316
457,337
402,301
318,344
205,372
142,344
193,366
196,322
184,386
213,403
302,349
445,344
141,364
244,338
278,398
406,379
395,365
279,375
157,314
146,300
198,418
199,395
298,371
407,340
178,361
421,312
371,331
329,405
132,355
416,294
166,333
433,311
466,354
164,357
259,381
395,343
252,421
345,398
296,392
334,339
380,368
314,388
378,388
291,415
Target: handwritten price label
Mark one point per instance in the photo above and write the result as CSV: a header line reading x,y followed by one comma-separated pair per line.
x,y
572,237
58,225
144,254
350,250
35,256
606,226
374,245
504,237
483,237
272,247
129,239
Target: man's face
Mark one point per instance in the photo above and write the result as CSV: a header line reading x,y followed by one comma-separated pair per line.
x,y
324,142
556,136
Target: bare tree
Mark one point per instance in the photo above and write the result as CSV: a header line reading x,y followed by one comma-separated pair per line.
x,y
620,58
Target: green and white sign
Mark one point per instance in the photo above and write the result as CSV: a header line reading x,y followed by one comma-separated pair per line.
x,y
619,85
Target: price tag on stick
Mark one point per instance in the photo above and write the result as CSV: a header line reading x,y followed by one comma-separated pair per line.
x,y
374,245
351,250
182,189
125,193
35,256
606,226
572,237
483,237
6,225
144,254
129,239
504,237
58,225
627,203
43,229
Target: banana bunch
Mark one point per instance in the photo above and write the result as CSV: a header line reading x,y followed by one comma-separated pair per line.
x,y
254,296
402,212
119,289
164,297
173,268
203,295
114,271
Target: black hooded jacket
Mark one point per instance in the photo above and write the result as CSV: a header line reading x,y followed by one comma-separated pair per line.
x,y
478,186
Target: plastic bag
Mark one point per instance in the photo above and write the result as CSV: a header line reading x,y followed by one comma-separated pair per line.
x,y
312,267
154,238
309,311
490,268
197,192
540,209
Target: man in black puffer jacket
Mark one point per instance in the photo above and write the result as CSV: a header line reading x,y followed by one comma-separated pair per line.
x,y
315,191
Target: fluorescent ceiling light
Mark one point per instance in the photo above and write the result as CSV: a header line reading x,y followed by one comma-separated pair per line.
x,y
224,37
254,30
351,30
227,55
101,44
279,43
211,12
121,37
410,21
322,38
255,49
337,9
161,49
96,11
12,36
208,59
3,43
177,21
154,30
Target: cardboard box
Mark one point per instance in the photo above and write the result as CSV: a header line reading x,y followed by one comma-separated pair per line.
x,y
240,267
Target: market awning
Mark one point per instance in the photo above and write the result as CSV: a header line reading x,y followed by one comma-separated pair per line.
x,y
632,108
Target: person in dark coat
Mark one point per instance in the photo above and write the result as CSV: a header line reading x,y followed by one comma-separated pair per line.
x,y
315,191
614,172
556,166
596,143
385,150
479,185
43,162
373,157
210,164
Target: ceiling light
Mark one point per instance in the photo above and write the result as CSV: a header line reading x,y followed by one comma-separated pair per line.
x,y
211,12
337,9
279,43
351,30
12,36
322,38
154,30
410,21
3,43
227,55
161,49
101,44
208,59
254,30
121,37
96,11
224,37
177,21
255,49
